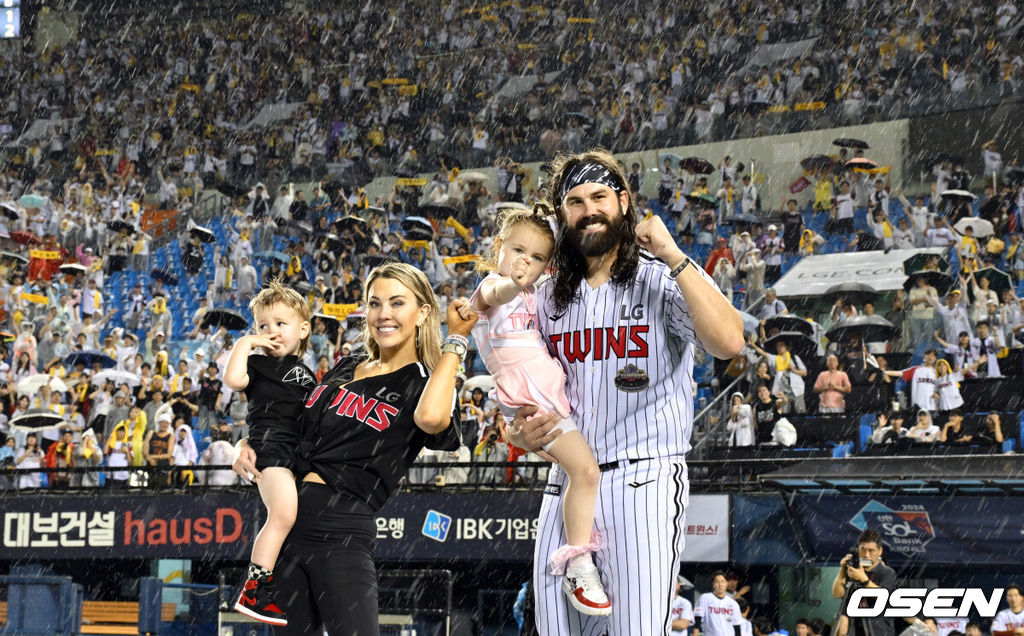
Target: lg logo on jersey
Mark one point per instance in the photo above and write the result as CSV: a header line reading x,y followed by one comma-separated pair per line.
x,y
636,313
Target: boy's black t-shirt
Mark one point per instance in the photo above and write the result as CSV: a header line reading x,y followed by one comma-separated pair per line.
x,y
360,435
277,389
765,416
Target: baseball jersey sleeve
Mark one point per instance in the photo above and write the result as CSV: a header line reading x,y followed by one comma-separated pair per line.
x,y
1000,622
736,615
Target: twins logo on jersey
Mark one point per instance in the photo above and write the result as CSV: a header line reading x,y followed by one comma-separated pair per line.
x,y
370,411
601,343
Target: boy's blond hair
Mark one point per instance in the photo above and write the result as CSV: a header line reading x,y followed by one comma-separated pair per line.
x,y
277,294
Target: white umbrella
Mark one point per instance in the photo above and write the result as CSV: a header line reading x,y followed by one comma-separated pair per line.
x,y
473,176
484,382
117,377
32,384
981,227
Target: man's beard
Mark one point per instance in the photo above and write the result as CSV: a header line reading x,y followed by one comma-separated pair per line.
x,y
597,243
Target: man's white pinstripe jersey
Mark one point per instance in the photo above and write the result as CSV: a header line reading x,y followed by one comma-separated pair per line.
x,y
628,356
718,616
625,413
1008,620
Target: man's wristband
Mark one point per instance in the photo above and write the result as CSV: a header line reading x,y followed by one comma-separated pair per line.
x,y
678,269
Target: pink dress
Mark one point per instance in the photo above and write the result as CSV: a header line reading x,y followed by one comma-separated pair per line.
x,y
515,354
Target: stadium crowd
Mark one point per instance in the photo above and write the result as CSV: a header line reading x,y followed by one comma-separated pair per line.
x,y
130,377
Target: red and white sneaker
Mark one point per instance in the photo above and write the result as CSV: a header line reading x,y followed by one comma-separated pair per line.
x,y
257,601
583,587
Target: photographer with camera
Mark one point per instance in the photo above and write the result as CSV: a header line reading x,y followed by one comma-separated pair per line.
x,y
863,567
492,448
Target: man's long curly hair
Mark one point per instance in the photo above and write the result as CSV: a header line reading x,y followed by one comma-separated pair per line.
x,y
570,266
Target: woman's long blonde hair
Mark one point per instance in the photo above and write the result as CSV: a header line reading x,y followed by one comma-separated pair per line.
x,y
428,334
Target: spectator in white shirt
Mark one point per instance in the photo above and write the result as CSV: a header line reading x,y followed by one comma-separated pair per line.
x,y
924,430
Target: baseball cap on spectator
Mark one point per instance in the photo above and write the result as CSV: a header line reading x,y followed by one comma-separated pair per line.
x,y
773,228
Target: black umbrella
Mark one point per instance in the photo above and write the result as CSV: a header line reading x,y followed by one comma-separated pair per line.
x,y
436,211
376,260
998,280
304,287
696,165
352,222
705,200
89,358
941,282
861,162
330,322
920,261
742,218
121,226
9,210
869,328
201,233
798,343
35,420
817,162
848,142
14,256
417,224
789,322
957,195
228,318
163,275
1015,174
297,229
232,190
856,293
582,117
74,269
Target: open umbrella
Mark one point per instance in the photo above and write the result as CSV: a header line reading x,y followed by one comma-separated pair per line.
x,y
510,205
981,227
869,328
7,336
304,287
742,218
473,176
116,376
800,344
750,322
701,199
228,318
849,142
1015,174
436,211
25,238
919,261
9,210
32,201
418,226
121,226
31,384
74,269
998,280
273,255
14,256
856,293
817,162
376,260
957,195
330,322
34,420
861,162
351,222
295,229
940,281
164,275
696,165
789,322
582,117
232,190
203,234
482,382
89,358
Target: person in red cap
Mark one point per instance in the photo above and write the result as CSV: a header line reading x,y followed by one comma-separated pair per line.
x,y
720,252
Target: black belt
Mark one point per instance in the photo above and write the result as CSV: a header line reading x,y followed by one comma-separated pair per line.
x,y
619,463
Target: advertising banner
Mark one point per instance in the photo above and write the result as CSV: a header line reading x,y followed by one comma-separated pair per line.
x,y
933,530
221,525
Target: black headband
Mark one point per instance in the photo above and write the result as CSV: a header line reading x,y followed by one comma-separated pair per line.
x,y
589,173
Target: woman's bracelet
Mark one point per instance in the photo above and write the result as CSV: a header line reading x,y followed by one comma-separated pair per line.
x,y
455,338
